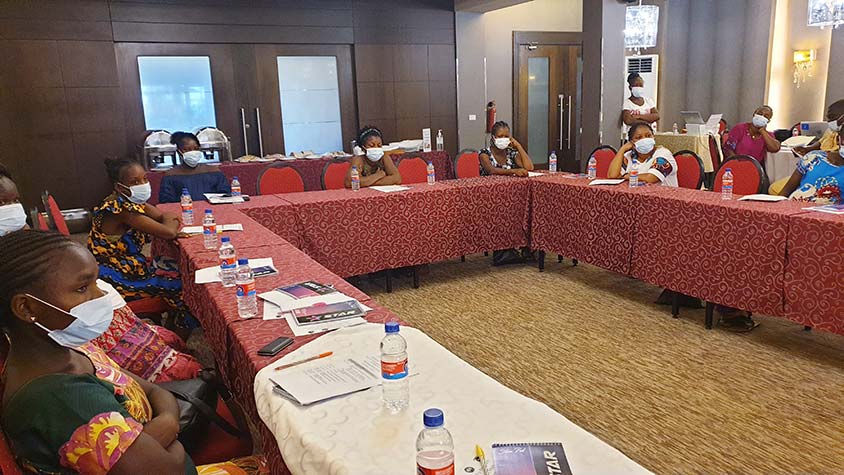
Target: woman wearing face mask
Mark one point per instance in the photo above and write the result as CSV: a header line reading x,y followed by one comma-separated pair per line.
x,y
197,177
67,407
505,156
829,139
752,138
637,107
819,176
374,167
12,214
655,164
120,229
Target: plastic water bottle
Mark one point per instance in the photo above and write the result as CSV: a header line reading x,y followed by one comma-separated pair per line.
x,y
355,179
634,172
552,162
247,296
434,446
394,372
236,187
187,208
209,230
432,175
592,168
228,262
727,185
440,141
675,129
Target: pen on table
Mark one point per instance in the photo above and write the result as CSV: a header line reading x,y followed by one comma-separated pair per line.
x,y
296,363
479,454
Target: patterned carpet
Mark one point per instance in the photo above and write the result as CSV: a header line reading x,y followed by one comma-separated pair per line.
x,y
673,396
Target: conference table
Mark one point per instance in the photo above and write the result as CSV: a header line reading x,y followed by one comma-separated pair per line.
x,y
773,258
781,164
698,144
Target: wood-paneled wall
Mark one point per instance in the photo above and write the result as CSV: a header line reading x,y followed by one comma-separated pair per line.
x,y
61,109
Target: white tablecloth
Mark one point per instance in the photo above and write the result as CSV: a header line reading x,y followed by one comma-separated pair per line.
x,y
781,164
353,435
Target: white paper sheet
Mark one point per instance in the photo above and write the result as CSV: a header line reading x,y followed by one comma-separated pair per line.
x,y
831,209
607,181
220,228
535,174
212,274
272,310
763,197
220,198
713,124
329,377
798,141
390,188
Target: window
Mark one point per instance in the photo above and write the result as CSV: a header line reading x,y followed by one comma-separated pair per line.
x,y
310,103
176,92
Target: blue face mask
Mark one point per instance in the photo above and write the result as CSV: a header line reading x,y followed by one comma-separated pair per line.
x,y
90,320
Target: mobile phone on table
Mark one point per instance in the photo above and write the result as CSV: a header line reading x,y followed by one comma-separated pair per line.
x,y
275,346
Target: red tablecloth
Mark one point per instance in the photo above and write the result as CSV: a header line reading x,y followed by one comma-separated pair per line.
x,y
310,170
727,252
595,224
814,271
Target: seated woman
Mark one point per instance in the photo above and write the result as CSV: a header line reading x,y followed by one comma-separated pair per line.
x,y
505,155
829,139
120,229
752,138
655,164
67,407
374,168
819,176
198,178
12,214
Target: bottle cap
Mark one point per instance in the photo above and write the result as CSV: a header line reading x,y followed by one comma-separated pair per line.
x,y
392,327
730,170
433,417
207,211
225,239
235,178
185,191
243,262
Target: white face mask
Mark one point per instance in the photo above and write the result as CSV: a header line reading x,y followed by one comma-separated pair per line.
x,y
637,91
645,146
90,320
192,158
760,120
12,218
374,153
833,126
502,142
139,194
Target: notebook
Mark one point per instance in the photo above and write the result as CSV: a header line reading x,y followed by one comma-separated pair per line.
x,y
542,458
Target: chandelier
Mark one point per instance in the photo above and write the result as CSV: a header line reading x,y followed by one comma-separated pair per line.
x,y
826,13
641,26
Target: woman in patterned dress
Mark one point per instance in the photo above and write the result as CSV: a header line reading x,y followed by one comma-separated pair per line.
x,y
66,407
121,227
505,155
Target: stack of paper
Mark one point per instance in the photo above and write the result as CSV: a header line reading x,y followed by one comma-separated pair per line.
x,y
607,181
212,274
222,198
390,188
831,209
330,377
283,302
220,228
763,197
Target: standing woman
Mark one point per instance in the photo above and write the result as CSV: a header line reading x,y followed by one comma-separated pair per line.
x,y
121,227
374,167
505,155
637,107
198,178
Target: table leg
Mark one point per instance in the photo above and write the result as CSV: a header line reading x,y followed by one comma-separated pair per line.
x,y
807,328
415,277
540,258
559,259
462,258
710,309
574,262
675,304
389,281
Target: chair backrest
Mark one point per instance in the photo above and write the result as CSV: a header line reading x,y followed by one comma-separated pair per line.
x,y
55,213
413,170
748,176
334,175
714,144
277,179
467,164
603,155
689,169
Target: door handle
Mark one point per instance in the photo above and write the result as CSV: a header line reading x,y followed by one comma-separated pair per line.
x,y
568,128
260,137
243,126
562,107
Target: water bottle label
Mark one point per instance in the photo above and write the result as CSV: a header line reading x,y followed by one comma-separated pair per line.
x,y
435,471
397,370
246,289
187,208
228,262
209,229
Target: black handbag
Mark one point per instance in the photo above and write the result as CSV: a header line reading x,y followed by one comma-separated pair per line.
x,y
197,399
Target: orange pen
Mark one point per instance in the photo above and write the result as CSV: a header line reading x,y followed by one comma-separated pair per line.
x,y
297,363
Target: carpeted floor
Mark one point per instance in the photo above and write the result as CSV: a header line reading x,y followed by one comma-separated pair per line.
x,y
673,396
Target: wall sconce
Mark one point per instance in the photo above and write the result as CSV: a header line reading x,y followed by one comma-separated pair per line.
x,y
826,13
641,25
804,64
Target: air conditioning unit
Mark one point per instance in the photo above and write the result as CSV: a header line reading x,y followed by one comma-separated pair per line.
x,y
647,66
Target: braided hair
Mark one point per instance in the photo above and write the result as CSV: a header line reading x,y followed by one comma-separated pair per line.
x,y
368,131
498,126
26,257
115,166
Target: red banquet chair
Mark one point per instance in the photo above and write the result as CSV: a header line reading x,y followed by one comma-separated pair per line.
x,y
467,164
413,170
55,213
689,169
334,175
277,179
748,176
603,155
